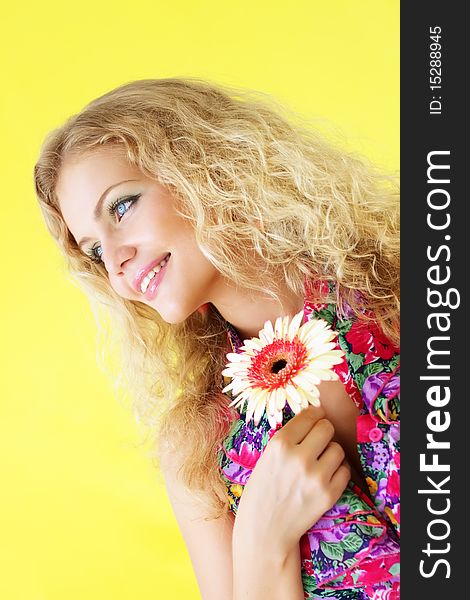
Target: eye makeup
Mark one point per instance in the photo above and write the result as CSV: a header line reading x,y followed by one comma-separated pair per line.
x,y
119,208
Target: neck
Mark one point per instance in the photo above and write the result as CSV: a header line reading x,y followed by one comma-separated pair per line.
x,y
247,310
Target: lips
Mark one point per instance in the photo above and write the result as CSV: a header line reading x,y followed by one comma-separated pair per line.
x,y
151,291
144,271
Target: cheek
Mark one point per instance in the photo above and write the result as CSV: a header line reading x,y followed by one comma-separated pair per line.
x,y
119,286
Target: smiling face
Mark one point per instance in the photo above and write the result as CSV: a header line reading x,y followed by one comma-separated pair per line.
x,y
129,222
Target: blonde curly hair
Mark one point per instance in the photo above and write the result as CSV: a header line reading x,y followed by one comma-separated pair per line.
x,y
247,178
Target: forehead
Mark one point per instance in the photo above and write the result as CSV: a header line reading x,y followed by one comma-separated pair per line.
x,y
83,179
93,172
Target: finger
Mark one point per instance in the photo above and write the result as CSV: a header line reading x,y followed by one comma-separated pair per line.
x,y
299,426
331,458
341,478
318,438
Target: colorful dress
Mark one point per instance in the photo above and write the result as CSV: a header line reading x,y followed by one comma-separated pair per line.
x,y
352,552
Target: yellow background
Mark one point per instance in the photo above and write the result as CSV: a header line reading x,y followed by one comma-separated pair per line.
x,y
83,513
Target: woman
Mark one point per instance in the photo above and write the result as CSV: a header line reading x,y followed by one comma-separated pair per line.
x,y
196,214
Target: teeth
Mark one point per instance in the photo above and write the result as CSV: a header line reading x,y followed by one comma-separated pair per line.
x,y
151,274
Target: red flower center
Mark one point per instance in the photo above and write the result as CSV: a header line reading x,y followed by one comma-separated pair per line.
x,y
277,363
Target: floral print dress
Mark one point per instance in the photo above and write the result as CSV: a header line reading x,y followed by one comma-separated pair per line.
x,y
352,552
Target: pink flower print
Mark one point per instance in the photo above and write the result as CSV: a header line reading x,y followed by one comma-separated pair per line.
x,y
393,485
364,424
374,571
396,459
368,339
248,456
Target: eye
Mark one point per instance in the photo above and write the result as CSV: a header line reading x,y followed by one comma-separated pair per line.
x,y
117,209
122,205
95,253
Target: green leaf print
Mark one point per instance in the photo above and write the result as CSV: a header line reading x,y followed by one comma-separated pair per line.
x,y
349,562
265,438
372,368
370,530
352,501
343,344
359,378
343,327
355,576
329,314
394,362
355,360
351,542
309,582
332,550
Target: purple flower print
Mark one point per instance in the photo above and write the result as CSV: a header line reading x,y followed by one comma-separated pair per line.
x,y
394,432
335,534
236,473
381,456
374,383
381,494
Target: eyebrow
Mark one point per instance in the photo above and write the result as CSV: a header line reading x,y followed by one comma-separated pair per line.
x,y
99,207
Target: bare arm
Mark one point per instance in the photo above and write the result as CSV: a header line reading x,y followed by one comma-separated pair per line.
x,y
270,576
209,544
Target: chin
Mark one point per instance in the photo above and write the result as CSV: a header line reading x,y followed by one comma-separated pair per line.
x,y
173,315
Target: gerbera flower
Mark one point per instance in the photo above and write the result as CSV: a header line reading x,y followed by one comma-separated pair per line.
x,y
284,364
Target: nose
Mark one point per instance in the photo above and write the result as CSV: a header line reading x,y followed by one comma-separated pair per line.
x,y
116,257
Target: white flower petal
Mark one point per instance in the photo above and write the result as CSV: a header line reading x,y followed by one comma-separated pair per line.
x,y
259,409
266,335
285,326
271,402
295,400
278,329
274,420
252,345
324,361
294,395
311,376
296,408
315,400
227,388
234,357
326,374
322,354
280,398
302,382
240,385
318,341
238,403
235,371
308,395
295,325
250,409
317,330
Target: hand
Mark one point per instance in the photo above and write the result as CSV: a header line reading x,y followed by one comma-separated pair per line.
x,y
299,476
